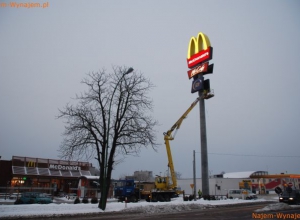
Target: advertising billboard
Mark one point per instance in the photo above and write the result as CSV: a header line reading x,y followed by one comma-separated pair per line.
x,y
197,85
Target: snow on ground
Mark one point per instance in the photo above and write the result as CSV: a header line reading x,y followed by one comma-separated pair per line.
x,y
65,207
276,206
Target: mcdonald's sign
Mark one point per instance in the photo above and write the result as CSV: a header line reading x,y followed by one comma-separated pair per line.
x,y
197,85
31,164
199,69
199,50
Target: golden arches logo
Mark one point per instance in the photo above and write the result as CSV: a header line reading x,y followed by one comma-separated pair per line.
x,y
196,45
31,164
199,50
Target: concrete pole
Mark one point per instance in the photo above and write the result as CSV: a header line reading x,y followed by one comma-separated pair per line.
x,y
194,175
204,157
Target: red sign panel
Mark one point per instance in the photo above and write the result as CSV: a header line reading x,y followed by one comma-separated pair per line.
x,y
203,68
200,57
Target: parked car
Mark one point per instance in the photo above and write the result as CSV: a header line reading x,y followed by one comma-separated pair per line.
x,y
33,197
291,196
62,194
72,196
241,194
15,196
47,195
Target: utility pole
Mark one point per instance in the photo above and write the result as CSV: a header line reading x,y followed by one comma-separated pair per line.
x,y
194,175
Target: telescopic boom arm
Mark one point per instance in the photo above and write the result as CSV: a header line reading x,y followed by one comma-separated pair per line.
x,y
168,136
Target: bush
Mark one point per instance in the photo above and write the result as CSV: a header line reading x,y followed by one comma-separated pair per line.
x,y
191,197
94,200
206,197
18,201
76,201
209,197
85,200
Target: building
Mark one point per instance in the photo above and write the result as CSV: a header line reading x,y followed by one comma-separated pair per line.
x,y
259,182
49,175
143,176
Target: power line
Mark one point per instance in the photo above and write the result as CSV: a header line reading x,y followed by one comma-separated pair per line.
x,y
251,155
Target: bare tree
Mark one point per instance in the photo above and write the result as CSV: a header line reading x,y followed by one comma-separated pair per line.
x,y
111,119
178,175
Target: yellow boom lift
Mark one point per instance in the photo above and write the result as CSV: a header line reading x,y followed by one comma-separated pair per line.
x,y
163,189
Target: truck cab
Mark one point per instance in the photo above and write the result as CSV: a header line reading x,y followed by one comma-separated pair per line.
x,y
126,190
162,183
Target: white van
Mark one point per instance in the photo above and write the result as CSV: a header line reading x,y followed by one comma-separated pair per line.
x,y
241,194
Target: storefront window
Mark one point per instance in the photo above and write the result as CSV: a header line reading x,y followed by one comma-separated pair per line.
x,y
17,182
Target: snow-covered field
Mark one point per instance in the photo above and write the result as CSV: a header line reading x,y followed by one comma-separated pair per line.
x,y
67,207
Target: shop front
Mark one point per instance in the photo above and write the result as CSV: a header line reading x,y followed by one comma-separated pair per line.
x,y
46,175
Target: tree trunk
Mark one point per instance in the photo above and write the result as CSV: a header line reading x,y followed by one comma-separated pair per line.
x,y
103,198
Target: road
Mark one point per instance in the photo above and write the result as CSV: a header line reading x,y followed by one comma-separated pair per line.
x,y
228,212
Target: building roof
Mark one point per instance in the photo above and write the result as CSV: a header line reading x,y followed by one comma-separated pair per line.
x,y
90,177
244,174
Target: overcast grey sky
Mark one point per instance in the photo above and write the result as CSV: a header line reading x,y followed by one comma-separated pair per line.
x,y
45,53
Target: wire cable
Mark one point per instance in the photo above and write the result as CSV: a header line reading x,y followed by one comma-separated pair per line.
x,y
252,155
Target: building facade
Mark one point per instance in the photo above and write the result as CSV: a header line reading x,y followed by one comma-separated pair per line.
x,y
50,175
259,182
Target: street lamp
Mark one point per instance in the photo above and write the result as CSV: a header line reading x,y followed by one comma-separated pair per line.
x,y
108,124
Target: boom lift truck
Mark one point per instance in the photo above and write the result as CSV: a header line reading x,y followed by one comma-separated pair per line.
x,y
164,190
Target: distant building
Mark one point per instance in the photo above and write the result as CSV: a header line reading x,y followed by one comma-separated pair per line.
x,y
146,176
257,181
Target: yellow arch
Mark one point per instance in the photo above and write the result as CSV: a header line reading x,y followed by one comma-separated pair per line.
x,y
201,43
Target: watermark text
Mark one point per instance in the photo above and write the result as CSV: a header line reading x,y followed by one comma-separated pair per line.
x,y
278,215
24,4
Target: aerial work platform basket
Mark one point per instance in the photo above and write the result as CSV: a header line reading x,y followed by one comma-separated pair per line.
x,y
207,94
